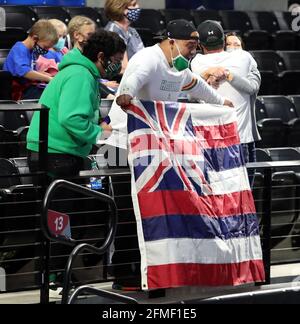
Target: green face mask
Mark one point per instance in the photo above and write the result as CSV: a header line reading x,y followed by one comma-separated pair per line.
x,y
180,63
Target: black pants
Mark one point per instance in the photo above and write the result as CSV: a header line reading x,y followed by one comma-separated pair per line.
x,y
60,166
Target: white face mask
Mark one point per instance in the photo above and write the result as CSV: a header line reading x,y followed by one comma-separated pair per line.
x,y
232,49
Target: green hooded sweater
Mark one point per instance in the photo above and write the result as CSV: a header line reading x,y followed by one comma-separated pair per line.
x,y
74,100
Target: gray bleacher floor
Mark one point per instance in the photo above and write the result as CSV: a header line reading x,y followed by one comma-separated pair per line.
x,y
281,274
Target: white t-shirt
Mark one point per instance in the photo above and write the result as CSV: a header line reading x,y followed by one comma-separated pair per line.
x,y
240,63
149,77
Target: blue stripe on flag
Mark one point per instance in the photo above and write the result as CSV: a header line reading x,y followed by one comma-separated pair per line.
x,y
200,227
135,124
222,159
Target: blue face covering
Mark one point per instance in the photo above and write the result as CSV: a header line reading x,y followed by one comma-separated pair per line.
x,y
133,14
60,44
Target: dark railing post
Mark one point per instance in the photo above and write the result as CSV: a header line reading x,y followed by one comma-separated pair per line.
x,y
42,181
267,223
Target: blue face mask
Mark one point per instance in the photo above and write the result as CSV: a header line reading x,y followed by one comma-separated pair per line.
x,y
60,44
133,14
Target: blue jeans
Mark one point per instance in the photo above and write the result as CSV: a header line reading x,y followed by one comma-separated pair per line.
x,y
249,157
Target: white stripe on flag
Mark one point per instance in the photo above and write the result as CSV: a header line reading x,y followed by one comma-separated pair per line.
x,y
212,115
229,181
203,251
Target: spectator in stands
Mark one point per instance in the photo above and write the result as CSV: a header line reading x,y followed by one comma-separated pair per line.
x,y
73,99
233,42
21,61
59,49
155,73
233,74
121,14
80,28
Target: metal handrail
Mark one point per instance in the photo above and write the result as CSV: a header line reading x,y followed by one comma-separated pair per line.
x,y
101,293
69,241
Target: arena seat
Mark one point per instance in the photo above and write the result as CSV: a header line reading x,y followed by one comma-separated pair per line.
x,y
269,83
6,85
10,36
88,12
269,61
291,59
254,39
52,13
151,19
172,14
289,82
20,16
202,15
296,101
3,55
281,107
281,39
268,127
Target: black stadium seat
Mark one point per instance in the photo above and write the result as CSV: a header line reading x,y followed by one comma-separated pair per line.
x,y
202,15
6,85
268,127
20,16
239,20
269,61
291,59
10,36
172,14
87,12
3,55
296,101
151,19
52,13
269,83
289,82
281,39
281,107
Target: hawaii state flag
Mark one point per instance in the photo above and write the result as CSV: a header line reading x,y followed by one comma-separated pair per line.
x,y
196,219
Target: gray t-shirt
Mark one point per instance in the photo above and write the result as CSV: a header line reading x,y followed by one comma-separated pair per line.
x,y
131,38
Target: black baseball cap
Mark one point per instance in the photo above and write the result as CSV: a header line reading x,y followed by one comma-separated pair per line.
x,y
211,34
180,29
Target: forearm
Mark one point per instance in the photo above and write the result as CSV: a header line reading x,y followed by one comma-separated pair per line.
x,y
37,76
202,91
249,84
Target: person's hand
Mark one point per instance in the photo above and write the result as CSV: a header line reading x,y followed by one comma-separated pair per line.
x,y
213,82
124,101
111,84
106,130
228,103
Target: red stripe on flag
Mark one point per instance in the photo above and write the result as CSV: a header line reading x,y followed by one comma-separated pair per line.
x,y
163,203
179,118
179,275
154,179
162,119
217,136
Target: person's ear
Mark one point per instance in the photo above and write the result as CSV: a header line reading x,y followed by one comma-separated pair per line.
x,y
35,38
100,57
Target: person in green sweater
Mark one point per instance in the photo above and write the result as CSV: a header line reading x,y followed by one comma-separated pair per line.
x,y
74,100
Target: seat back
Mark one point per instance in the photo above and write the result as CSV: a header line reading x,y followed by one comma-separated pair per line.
x,y
267,21
10,36
236,20
202,15
172,14
87,12
279,107
6,85
20,16
269,83
151,19
8,169
291,59
269,61
52,13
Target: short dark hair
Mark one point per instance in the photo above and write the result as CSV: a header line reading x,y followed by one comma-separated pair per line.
x,y
120,46
101,41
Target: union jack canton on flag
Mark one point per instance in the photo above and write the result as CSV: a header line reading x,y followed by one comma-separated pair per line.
x,y
196,219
